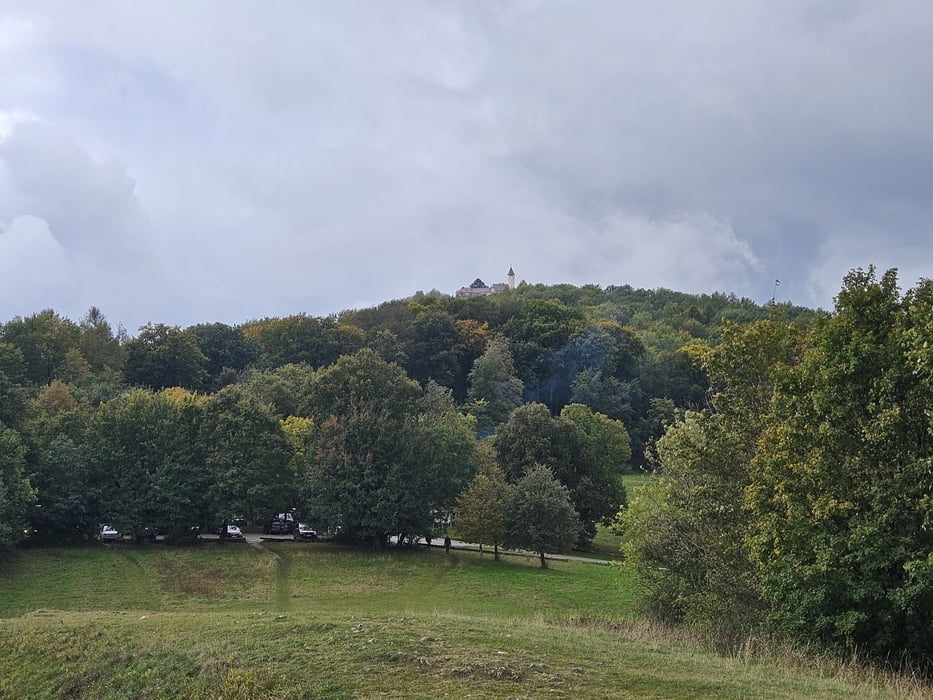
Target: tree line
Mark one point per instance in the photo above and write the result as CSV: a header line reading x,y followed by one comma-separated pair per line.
x,y
178,427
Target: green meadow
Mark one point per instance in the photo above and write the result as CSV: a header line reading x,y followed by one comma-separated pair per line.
x,y
290,620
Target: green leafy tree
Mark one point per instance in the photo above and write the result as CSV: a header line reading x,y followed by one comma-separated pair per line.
x,y
841,489
16,493
607,447
386,456
164,356
285,389
99,345
432,349
248,456
300,435
143,450
387,345
362,380
472,340
607,355
447,450
541,516
299,339
102,386
532,437
225,348
43,339
56,398
684,534
537,331
67,508
482,507
364,411
495,390
12,386
346,339
75,370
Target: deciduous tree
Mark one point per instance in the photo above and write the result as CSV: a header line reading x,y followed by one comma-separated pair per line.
x,y
482,507
684,535
386,457
68,500
43,339
225,348
532,437
164,356
541,516
842,485
16,493
247,455
143,450
495,390
12,386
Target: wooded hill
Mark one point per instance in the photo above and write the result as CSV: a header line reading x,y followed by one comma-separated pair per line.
x,y
175,427
792,448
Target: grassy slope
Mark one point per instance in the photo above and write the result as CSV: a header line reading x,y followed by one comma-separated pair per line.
x,y
321,621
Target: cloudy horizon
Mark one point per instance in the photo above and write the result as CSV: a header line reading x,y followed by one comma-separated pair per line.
x,y
220,161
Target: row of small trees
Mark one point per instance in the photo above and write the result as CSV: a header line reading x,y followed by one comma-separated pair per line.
x,y
360,447
536,513
803,498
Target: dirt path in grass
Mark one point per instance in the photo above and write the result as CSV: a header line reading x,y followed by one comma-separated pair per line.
x,y
283,583
141,583
283,570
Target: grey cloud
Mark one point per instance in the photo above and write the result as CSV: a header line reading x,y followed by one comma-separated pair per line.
x,y
303,157
90,205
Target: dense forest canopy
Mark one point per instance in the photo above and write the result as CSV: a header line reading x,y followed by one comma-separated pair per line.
x,y
180,426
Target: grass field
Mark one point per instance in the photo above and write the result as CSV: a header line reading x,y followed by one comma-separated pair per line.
x,y
317,620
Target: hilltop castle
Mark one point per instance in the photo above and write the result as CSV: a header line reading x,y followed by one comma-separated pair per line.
x,y
479,289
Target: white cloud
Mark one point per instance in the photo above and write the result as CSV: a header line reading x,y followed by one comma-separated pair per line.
x,y
8,120
690,251
34,269
860,248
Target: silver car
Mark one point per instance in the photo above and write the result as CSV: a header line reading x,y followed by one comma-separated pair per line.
x,y
108,533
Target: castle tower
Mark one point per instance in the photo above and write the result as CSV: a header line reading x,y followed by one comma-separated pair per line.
x,y
511,278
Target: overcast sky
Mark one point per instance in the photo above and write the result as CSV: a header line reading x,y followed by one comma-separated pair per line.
x,y
187,161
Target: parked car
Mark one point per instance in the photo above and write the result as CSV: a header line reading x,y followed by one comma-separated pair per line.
x,y
278,527
304,532
233,532
108,533
281,524
154,532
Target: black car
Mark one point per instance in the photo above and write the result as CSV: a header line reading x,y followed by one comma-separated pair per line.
x,y
281,524
278,527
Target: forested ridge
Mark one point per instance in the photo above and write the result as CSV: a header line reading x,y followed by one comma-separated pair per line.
x,y
176,426
791,448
